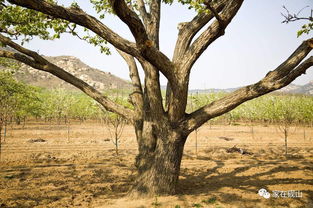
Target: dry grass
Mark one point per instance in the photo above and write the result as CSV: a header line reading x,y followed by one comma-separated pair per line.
x,y
84,171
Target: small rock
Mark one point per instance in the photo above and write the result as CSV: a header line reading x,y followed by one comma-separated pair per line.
x,y
36,140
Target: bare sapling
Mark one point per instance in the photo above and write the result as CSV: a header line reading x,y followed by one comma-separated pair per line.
x,y
252,116
0,137
67,121
5,130
251,120
252,130
287,118
68,129
196,145
116,128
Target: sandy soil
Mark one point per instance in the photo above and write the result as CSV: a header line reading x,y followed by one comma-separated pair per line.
x,y
82,170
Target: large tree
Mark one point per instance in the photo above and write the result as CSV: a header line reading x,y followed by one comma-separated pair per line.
x,y
161,130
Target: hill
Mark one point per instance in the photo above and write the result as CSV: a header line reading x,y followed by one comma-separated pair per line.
x,y
105,80
94,77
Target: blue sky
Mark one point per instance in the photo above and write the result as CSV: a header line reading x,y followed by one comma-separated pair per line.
x,y
255,42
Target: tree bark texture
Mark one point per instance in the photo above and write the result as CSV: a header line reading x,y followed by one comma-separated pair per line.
x,y
159,159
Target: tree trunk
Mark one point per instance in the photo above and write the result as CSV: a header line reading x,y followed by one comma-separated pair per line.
x,y
18,120
286,140
116,140
5,131
159,159
68,131
0,140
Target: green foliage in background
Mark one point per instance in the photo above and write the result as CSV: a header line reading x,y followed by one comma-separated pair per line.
x,y
270,108
20,22
23,25
62,105
19,101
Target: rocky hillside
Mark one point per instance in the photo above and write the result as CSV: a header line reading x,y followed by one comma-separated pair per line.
x,y
94,77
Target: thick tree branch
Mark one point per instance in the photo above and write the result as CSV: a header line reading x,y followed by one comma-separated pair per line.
x,y
136,96
188,30
151,98
214,31
76,15
208,3
19,57
34,55
143,11
131,19
146,46
274,80
32,59
148,33
153,26
152,91
81,18
301,69
177,92
151,19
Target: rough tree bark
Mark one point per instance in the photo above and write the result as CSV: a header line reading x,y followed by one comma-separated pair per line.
x,y
161,132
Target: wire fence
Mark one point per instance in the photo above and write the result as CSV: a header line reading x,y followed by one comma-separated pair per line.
x,y
100,142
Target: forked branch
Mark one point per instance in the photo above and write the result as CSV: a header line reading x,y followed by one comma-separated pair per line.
x,y
146,34
214,31
146,46
295,17
153,26
208,5
132,20
151,19
188,30
143,11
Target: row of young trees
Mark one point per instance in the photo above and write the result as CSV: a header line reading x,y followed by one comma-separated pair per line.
x,y
17,100
285,111
267,109
20,102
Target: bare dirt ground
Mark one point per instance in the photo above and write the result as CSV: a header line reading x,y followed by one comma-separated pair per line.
x,y
41,167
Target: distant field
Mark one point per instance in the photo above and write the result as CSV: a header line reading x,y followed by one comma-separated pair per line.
x,y
42,167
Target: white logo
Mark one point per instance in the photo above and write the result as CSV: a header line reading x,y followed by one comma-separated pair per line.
x,y
263,192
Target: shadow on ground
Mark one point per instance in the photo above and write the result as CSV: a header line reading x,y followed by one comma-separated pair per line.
x,y
213,179
237,179
62,183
